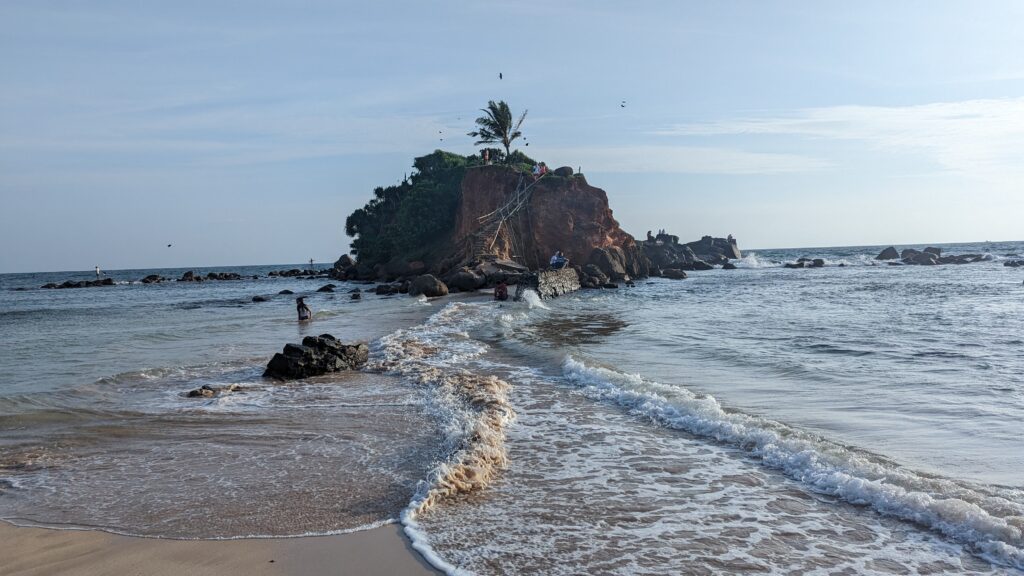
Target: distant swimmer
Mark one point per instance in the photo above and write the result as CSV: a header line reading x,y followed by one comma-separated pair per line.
x,y
304,312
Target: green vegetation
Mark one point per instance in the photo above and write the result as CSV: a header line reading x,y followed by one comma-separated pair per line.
x,y
408,217
497,126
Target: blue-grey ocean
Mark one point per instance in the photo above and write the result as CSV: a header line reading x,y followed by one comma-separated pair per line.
x,y
852,419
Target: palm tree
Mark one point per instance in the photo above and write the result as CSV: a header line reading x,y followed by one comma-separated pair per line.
x,y
496,126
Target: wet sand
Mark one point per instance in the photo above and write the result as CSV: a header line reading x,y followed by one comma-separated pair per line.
x,y
30,551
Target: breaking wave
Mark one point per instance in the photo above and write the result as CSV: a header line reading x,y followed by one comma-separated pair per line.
x,y
473,409
986,520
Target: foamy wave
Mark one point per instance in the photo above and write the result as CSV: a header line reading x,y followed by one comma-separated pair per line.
x,y
752,260
983,520
533,300
473,408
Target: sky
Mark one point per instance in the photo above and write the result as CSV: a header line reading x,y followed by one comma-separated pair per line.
x,y
245,132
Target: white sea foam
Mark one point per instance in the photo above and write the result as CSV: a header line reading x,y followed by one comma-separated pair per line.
x,y
472,408
752,260
533,300
981,520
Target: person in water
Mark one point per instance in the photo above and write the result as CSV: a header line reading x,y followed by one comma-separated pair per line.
x,y
558,261
304,312
501,292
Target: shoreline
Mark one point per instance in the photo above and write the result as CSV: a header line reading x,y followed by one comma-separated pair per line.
x,y
383,551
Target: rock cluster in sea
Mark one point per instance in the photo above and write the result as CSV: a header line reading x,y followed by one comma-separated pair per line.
x,y
315,356
79,284
930,256
670,259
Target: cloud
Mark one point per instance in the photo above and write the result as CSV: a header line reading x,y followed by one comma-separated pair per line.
x,y
682,159
976,138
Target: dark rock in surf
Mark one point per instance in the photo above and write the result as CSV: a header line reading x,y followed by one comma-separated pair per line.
x,y
728,266
933,250
889,253
286,292
817,263
1014,263
356,296
207,391
315,356
326,288
259,298
673,274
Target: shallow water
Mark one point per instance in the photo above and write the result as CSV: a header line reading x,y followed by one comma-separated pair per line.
x,y
844,420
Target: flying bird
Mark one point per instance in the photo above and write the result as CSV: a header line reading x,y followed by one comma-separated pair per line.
x,y
622,104
499,76
168,245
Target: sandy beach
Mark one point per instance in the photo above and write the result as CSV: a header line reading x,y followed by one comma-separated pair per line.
x,y
28,551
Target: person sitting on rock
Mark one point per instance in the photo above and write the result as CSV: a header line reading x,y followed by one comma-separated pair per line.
x,y
501,292
305,313
558,261
536,169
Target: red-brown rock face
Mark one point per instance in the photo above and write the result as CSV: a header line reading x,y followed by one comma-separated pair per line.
x,y
562,213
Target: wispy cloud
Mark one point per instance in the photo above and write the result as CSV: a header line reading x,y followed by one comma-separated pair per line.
x,y
978,138
683,160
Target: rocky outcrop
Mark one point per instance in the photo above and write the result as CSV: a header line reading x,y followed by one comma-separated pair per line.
x,y
153,279
79,284
930,256
562,212
715,250
301,273
806,263
429,286
889,253
316,355
549,283
664,252
1014,263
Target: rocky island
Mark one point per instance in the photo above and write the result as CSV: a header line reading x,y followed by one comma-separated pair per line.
x,y
471,224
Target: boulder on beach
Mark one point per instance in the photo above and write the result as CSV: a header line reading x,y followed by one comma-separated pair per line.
x,y
429,286
889,253
315,356
465,280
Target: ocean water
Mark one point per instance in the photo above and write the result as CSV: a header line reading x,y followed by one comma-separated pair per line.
x,y
856,419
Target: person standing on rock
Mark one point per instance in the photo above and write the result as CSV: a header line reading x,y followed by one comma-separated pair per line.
x,y
98,273
305,314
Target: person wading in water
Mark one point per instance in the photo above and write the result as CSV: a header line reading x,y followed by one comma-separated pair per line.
x,y
305,313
